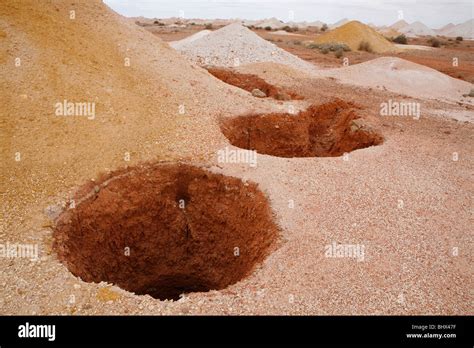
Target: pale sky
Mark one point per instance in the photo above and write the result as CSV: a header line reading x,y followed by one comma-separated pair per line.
x,y
434,13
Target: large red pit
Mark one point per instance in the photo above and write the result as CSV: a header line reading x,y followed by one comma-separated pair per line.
x,y
326,130
250,82
165,230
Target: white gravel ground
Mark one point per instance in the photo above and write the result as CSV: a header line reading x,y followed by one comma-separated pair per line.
x,y
404,77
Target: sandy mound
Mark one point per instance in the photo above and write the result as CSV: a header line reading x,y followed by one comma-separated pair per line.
x,y
417,29
404,77
194,37
235,45
353,33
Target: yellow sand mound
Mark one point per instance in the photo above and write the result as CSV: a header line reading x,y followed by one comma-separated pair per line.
x,y
353,33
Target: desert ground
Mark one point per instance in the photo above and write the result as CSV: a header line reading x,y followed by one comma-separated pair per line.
x,y
252,236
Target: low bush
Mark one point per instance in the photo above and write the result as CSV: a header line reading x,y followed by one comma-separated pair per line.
x,y
289,29
434,42
401,39
330,46
365,46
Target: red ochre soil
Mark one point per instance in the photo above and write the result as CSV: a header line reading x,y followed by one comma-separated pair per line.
x,y
249,82
165,230
326,130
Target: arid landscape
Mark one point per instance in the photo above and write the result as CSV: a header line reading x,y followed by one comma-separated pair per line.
x,y
178,166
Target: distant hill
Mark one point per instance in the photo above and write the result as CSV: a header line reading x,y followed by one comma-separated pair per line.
x,y
466,30
417,29
400,24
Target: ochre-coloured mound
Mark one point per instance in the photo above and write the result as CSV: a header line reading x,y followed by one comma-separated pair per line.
x,y
353,33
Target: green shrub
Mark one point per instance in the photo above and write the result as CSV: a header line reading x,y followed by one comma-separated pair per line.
x,y
268,28
339,53
324,51
324,27
459,38
401,39
208,26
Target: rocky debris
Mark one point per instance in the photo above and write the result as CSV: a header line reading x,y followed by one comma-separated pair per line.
x,y
356,125
470,94
258,93
282,96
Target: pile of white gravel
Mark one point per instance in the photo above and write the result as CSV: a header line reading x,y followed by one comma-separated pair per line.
x,y
404,77
235,45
